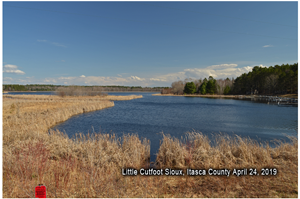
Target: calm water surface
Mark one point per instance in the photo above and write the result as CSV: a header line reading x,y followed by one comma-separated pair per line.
x,y
151,115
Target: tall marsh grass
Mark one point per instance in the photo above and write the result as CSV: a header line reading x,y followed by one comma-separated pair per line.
x,y
88,166
197,151
69,167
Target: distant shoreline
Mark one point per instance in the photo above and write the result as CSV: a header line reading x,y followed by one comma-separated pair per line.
x,y
227,96
25,91
215,96
101,91
131,92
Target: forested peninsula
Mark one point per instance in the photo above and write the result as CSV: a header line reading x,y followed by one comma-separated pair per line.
x,y
261,80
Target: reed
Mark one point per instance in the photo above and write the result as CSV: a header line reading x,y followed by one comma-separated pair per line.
x,y
88,166
69,167
196,151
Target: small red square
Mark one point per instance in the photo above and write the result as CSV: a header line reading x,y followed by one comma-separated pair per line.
x,y
40,191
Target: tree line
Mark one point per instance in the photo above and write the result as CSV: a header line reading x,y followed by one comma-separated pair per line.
x,y
272,80
30,87
261,80
50,87
202,86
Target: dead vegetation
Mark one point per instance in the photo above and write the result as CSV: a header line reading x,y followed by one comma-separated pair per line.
x,y
68,167
88,166
196,151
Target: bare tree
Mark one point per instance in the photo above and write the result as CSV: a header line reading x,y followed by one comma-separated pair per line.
x,y
178,87
166,91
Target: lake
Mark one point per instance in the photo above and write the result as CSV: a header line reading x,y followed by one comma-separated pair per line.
x,y
151,115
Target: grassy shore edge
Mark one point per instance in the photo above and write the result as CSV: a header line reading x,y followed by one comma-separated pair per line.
x,y
90,165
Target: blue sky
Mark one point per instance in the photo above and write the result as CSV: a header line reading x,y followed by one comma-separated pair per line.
x,y
143,43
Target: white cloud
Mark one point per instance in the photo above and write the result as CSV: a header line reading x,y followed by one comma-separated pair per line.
x,y
8,68
156,79
217,71
267,46
50,80
52,43
66,78
137,78
170,77
14,71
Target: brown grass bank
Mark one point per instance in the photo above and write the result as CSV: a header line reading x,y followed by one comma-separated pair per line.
x,y
196,151
81,167
90,166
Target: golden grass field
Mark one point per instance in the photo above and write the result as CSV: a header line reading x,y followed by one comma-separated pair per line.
x,y
89,166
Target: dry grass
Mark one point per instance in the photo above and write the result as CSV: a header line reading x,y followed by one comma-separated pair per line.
x,y
90,165
81,167
197,152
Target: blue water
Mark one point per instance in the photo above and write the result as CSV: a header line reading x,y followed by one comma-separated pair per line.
x,y
151,115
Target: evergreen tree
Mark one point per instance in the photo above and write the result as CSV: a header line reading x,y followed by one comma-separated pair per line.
x,y
202,88
211,85
190,88
227,90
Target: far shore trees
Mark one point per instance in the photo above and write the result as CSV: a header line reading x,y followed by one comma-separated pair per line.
x,y
261,80
268,80
211,86
202,88
50,87
178,87
190,88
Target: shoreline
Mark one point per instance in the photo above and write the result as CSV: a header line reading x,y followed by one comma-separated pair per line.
x,y
101,91
214,96
46,111
25,91
226,96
